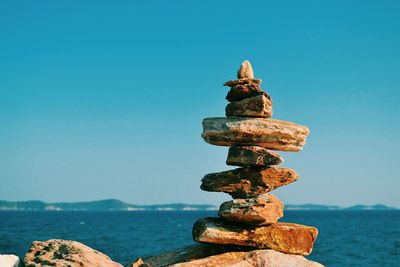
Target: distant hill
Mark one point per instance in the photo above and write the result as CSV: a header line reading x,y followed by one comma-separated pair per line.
x,y
118,205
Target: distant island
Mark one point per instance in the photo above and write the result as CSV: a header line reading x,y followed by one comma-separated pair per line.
x,y
118,205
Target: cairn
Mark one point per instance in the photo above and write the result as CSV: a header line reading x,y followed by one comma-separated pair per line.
x,y
250,219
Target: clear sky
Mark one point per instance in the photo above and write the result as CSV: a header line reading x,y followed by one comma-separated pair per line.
x,y
104,99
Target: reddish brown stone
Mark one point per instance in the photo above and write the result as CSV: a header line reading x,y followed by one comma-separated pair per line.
x,y
241,91
252,156
284,237
249,181
256,106
260,210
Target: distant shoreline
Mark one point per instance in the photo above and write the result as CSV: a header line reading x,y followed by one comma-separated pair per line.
x,y
118,205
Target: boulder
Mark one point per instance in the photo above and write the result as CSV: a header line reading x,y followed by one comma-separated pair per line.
x,y
260,210
255,258
65,253
208,255
256,106
284,237
252,156
9,260
268,133
249,181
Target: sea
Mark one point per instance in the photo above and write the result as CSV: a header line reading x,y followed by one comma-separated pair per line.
x,y
346,238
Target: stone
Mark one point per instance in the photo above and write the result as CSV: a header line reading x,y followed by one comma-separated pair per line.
x,y
255,258
65,253
9,260
248,181
242,81
210,255
185,254
268,133
260,210
256,106
252,156
284,237
245,71
242,91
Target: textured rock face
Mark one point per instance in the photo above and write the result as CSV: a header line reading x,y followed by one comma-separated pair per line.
x,y
242,81
268,133
256,106
255,258
64,253
245,70
242,91
208,255
284,237
249,181
9,260
260,210
252,156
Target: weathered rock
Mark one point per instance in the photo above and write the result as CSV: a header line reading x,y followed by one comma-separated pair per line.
x,y
9,260
249,181
242,81
255,258
284,237
256,106
252,156
260,210
245,70
185,254
209,255
65,253
242,91
268,133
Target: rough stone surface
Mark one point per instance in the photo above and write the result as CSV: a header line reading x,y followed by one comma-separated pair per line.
x,y
242,91
185,254
242,81
268,133
207,255
284,237
256,106
255,258
260,210
9,260
252,156
249,181
65,253
245,70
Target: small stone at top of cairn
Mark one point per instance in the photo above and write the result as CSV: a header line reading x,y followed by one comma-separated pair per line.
x,y
245,71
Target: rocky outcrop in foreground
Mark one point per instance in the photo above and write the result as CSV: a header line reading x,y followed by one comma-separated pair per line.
x,y
9,260
65,253
213,255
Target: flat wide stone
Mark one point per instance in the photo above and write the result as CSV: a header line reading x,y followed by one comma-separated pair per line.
x,y
260,210
256,106
249,181
211,255
268,133
284,237
252,156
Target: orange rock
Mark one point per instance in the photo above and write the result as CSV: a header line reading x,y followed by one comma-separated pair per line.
x,y
256,106
242,131
284,237
260,210
249,181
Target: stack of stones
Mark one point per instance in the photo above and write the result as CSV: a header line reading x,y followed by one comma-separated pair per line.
x,y
250,219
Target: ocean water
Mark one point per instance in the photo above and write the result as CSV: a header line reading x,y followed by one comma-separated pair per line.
x,y
346,238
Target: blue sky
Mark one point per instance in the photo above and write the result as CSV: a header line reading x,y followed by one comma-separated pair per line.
x,y
104,99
